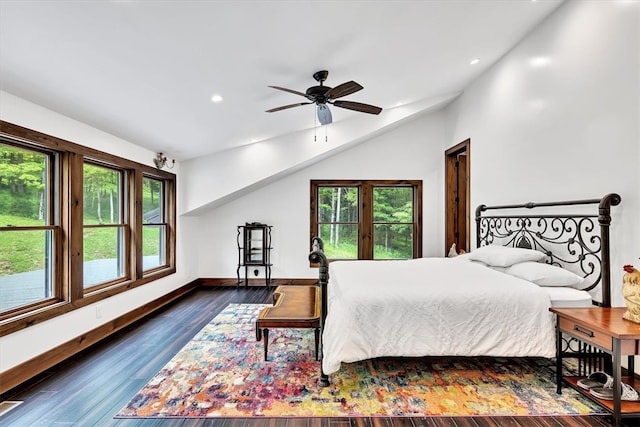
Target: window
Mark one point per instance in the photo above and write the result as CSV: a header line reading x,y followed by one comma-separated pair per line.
x,y
338,219
104,235
393,224
154,223
368,219
76,225
29,235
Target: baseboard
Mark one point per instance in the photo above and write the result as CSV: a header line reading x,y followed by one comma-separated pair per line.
x,y
39,364
208,281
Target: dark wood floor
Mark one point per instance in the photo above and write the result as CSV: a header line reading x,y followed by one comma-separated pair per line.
x,y
90,388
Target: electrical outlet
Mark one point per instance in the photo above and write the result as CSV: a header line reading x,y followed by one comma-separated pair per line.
x,y
98,311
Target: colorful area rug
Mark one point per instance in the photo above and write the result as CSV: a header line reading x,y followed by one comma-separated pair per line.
x,y
221,372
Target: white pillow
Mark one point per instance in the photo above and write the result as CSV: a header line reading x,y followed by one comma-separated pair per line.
x,y
467,257
544,274
504,256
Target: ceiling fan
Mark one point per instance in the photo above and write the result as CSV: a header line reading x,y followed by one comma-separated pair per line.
x,y
322,95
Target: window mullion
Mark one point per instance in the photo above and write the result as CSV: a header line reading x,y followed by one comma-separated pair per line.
x,y
72,220
417,221
366,222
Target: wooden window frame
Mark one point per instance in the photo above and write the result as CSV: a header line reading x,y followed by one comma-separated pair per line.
x,y
365,207
67,202
164,221
122,224
52,224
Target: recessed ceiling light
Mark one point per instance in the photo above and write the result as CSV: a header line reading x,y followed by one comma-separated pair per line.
x,y
539,61
474,61
216,98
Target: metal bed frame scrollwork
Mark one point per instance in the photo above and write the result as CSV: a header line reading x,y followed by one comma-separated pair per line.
x,y
576,241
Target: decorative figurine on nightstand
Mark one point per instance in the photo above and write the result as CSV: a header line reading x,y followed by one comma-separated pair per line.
x,y
631,293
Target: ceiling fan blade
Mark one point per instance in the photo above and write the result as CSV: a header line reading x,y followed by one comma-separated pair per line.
x,y
284,107
343,90
324,114
290,91
357,106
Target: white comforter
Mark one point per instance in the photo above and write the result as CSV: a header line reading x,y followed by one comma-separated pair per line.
x,y
432,307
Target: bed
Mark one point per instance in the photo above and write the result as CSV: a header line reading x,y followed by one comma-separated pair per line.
x,y
493,301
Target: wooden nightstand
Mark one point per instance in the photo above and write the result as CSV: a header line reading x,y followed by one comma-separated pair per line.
x,y
607,330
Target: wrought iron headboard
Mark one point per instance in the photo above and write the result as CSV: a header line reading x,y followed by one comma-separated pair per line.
x,y
573,241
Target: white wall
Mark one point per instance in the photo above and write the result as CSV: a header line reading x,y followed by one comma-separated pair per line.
x,y
27,343
567,128
413,151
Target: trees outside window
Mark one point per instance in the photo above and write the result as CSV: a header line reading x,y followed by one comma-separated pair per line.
x,y
154,223
104,236
338,218
393,225
28,230
367,219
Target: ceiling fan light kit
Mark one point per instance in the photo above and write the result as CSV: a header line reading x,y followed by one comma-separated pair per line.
x,y
322,95
324,114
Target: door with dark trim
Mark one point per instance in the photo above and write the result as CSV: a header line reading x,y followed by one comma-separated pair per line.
x,y
457,196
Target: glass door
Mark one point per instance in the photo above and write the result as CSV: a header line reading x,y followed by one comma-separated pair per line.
x,y
254,245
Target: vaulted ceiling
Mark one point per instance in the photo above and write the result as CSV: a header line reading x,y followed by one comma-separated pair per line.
x,y
145,71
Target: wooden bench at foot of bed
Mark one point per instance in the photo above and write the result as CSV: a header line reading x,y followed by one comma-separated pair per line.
x,y
293,307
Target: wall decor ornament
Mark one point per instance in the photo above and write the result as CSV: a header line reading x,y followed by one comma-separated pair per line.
x,y
161,161
631,293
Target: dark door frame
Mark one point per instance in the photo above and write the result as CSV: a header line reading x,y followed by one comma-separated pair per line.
x,y
453,207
